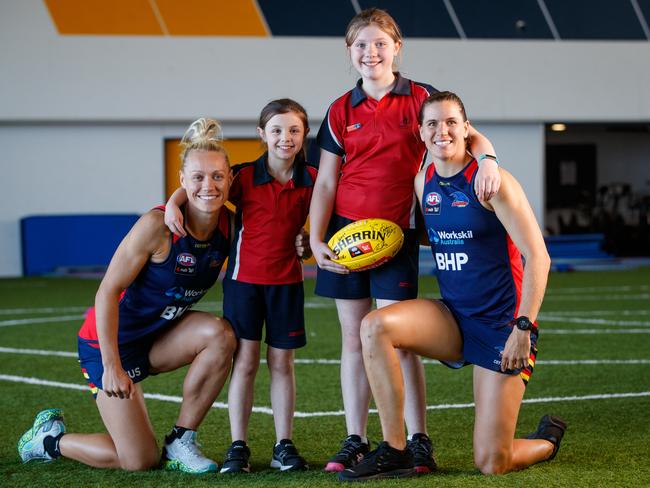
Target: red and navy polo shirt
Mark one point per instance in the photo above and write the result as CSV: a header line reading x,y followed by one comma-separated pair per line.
x,y
381,148
268,219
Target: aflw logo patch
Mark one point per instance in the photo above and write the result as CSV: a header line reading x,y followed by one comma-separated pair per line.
x,y
185,264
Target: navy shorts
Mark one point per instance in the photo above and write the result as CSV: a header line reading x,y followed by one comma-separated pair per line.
x,y
395,280
248,306
483,344
134,356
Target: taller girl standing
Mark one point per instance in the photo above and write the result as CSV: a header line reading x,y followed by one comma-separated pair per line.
x,y
370,154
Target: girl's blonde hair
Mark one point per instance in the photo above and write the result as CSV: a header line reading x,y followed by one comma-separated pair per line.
x,y
372,16
203,134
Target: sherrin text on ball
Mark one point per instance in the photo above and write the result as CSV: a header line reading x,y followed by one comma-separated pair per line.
x,y
367,243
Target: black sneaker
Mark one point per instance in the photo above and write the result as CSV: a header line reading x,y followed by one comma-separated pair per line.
x,y
383,462
351,452
550,429
286,457
237,458
422,449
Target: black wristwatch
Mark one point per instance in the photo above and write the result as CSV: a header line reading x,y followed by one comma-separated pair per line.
x,y
523,323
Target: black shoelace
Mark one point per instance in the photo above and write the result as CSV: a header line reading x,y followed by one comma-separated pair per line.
x,y
288,451
419,448
350,447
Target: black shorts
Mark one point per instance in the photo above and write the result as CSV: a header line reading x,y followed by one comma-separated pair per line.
x,y
395,280
248,306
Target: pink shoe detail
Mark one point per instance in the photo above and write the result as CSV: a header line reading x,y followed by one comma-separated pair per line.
x,y
334,467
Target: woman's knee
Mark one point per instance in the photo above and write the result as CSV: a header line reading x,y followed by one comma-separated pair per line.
x,y
142,461
373,327
493,461
218,333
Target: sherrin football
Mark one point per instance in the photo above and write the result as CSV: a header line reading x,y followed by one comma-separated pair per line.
x,y
367,243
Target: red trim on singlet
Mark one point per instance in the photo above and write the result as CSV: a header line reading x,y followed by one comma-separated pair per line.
x,y
470,170
517,270
88,329
472,167
429,174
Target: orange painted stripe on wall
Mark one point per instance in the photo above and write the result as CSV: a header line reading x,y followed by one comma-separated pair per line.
x,y
102,17
212,18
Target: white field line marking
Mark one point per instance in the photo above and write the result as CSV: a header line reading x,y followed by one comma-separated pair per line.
x,y
586,313
39,310
40,320
309,303
327,303
552,297
594,331
554,362
620,323
591,289
206,306
599,298
65,318
543,318
574,362
335,413
38,352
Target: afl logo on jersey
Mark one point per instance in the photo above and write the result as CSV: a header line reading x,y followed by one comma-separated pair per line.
x,y
185,264
432,203
460,199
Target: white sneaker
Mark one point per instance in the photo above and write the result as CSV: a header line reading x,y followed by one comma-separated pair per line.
x,y
48,422
183,454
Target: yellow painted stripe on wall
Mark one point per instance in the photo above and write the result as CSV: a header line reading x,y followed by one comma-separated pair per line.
x,y
104,17
212,18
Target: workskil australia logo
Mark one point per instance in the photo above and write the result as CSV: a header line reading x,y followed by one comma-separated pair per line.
x,y
445,238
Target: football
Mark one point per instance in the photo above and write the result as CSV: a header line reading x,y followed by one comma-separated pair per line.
x,y
366,244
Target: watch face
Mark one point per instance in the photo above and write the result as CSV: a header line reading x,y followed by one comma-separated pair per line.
x,y
524,324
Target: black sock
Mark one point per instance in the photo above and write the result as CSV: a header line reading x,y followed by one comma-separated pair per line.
x,y
176,433
51,445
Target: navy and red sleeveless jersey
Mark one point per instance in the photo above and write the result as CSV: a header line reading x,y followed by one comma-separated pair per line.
x,y
478,267
162,292
381,149
268,219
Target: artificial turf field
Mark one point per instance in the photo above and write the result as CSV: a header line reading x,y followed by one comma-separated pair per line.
x,y
594,349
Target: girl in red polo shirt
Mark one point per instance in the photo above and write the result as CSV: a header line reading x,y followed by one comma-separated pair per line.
x,y
264,281
370,154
